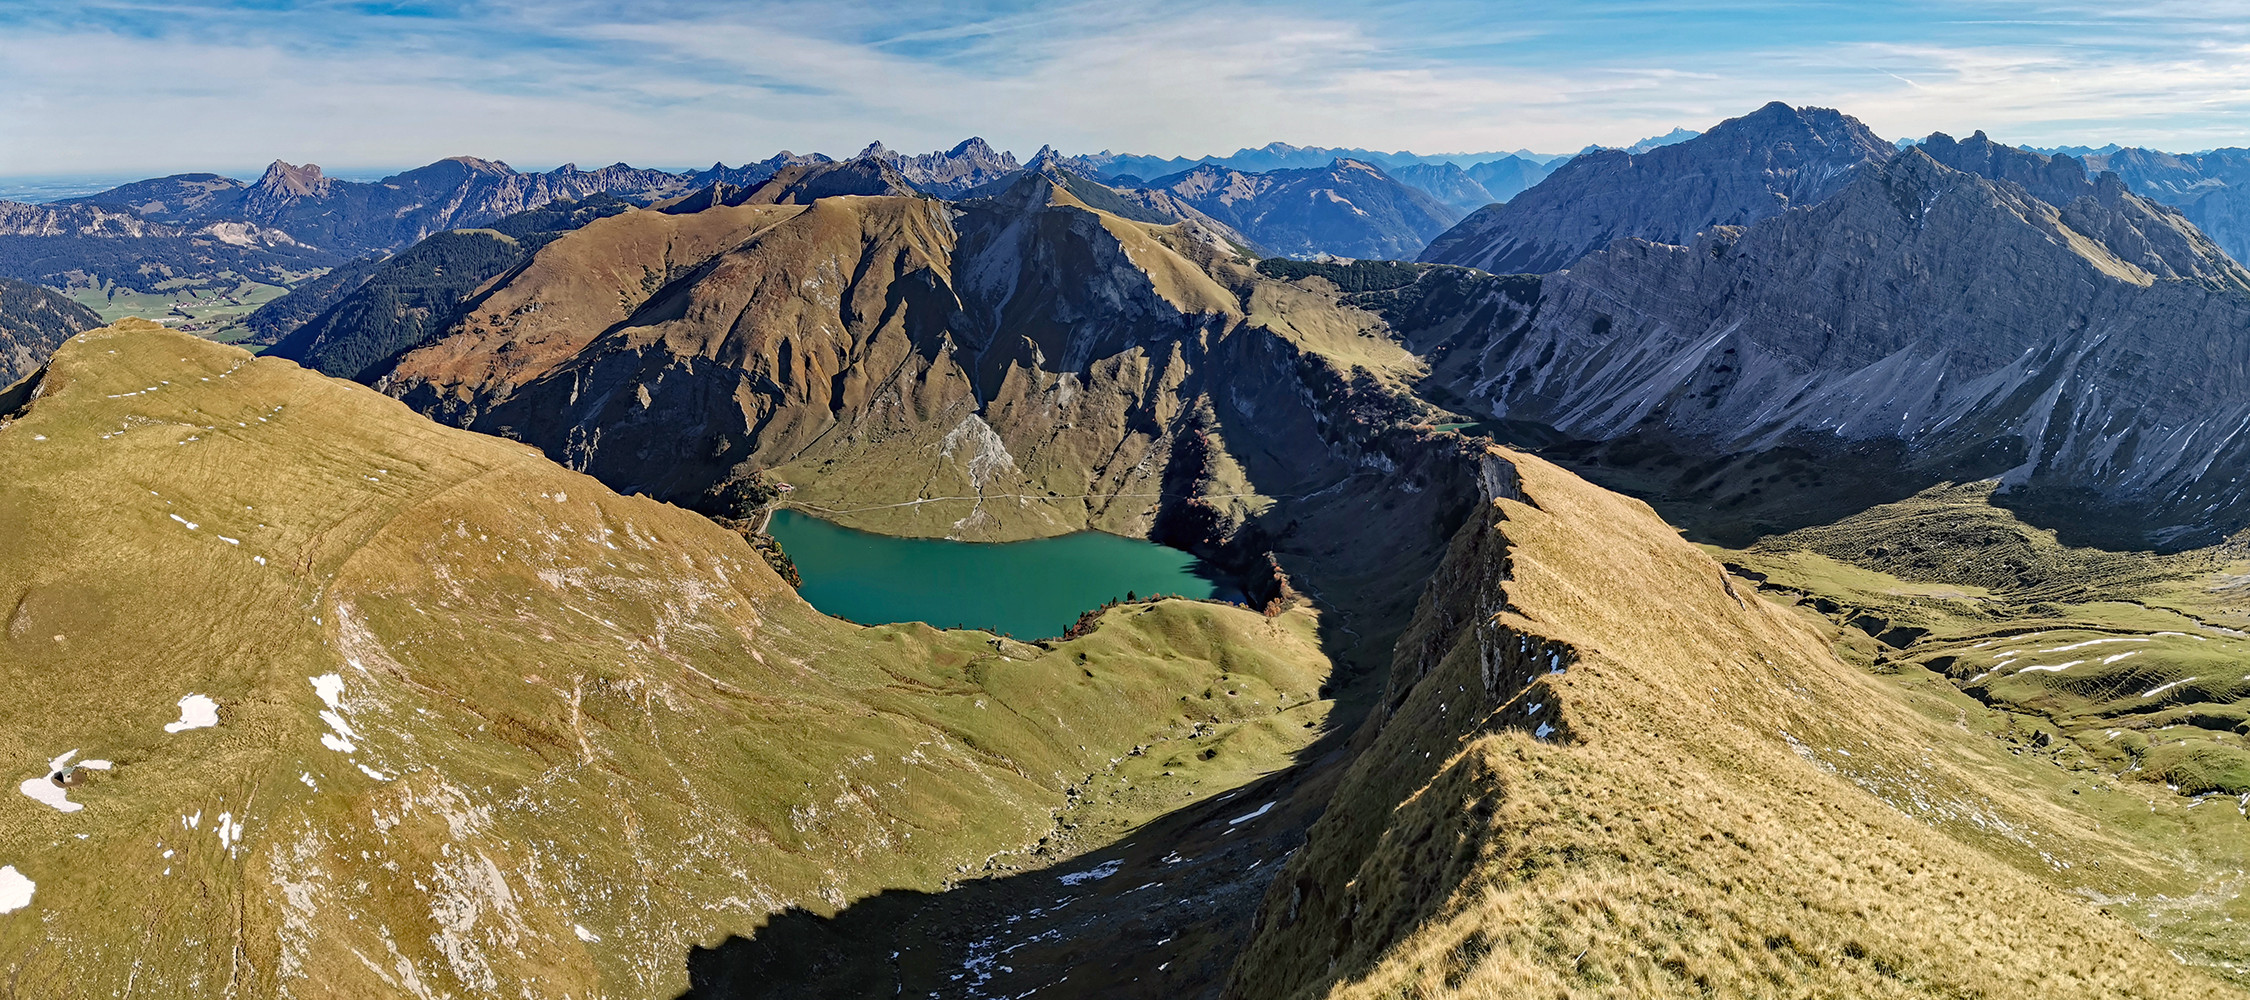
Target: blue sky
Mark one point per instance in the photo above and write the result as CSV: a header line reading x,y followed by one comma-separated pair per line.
x,y
145,86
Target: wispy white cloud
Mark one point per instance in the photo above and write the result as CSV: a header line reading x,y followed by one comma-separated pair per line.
x,y
179,84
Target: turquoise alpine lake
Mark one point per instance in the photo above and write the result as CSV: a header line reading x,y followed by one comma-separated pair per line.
x,y
1030,590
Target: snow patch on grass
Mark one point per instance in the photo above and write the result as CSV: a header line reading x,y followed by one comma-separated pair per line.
x,y
196,712
1094,874
2161,688
15,889
45,790
1251,815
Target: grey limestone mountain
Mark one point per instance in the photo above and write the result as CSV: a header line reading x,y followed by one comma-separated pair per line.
x,y
2155,237
1943,322
1742,170
2211,188
455,193
1447,183
1348,208
1511,175
972,163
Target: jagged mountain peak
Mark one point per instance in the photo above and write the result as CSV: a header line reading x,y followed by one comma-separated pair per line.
x,y
1777,124
971,163
284,179
2146,235
971,146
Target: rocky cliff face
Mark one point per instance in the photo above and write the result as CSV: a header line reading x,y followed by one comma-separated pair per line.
x,y
1974,328
340,217
2157,239
2211,188
1743,170
755,172
801,184
457,193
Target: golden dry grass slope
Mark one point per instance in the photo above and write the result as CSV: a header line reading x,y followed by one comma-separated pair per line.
x,y
482,727
1608,770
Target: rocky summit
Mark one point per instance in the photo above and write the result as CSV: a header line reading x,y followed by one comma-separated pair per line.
x,y
1743,170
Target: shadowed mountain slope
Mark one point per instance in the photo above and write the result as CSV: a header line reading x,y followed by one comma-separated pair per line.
x,y
89,244
1510,176
1969,328
33,322
178,198
1743,170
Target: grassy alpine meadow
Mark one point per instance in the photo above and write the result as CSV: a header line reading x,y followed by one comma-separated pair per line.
x,y
388,706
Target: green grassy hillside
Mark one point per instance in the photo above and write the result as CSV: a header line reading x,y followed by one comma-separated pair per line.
x,y
482,726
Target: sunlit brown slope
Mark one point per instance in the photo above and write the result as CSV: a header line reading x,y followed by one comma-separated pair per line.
x,y
1607,770
571,291
482,727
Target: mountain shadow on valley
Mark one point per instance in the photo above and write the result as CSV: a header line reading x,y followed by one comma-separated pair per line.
x,y
1160,914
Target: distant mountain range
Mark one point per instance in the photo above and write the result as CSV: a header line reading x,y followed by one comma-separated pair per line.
x,y
295,219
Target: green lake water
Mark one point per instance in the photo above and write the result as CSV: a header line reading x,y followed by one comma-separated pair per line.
x,y
1031,590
